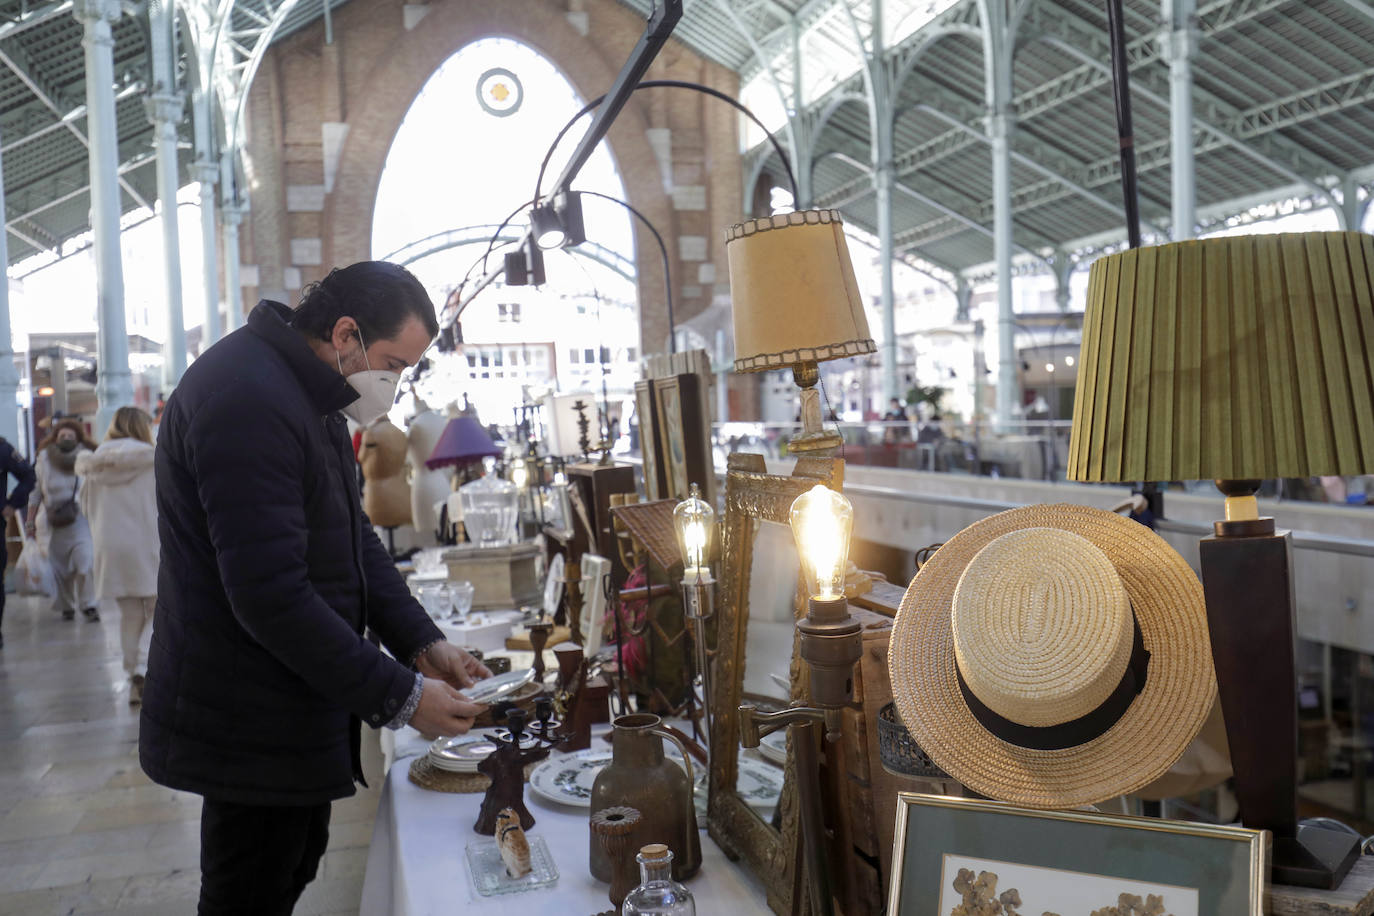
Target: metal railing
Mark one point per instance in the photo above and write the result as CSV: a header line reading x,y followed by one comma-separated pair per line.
x,y
1028,449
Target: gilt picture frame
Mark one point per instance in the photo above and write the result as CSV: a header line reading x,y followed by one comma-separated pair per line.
x,y
772,854
958,854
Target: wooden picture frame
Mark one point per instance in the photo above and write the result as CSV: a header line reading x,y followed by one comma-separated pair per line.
x,y
753,495
646,407
1068,861
684,422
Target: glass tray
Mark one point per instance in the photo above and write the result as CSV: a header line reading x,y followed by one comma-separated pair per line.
x,y
489,871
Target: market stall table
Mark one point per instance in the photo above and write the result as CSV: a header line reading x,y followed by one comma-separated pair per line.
x,y
417,862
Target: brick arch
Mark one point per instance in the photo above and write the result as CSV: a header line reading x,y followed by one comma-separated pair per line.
x,y
397,76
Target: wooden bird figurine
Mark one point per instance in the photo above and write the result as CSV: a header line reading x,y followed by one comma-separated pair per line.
x,y
510,839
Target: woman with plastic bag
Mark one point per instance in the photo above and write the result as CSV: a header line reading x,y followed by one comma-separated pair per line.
x,y
12,464
118,497
58,492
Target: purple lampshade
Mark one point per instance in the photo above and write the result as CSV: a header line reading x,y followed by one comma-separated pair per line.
x,y
463,442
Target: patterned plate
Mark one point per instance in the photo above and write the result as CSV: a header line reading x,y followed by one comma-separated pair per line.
x,y
567,780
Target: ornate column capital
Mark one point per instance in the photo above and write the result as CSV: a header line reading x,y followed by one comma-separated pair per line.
x,y
164,108
90,11
207,173
232,214
1178,41
1000,124
884,175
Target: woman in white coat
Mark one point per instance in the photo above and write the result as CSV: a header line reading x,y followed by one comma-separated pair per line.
x,y
119,498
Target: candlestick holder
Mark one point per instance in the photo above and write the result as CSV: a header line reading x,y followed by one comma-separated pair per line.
x,y
505,767
539,638
614,829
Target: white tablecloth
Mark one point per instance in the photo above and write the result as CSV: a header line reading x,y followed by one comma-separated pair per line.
x,y
417,863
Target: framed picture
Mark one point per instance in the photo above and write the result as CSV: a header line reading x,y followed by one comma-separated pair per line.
x,y
646,409
684,437
960,855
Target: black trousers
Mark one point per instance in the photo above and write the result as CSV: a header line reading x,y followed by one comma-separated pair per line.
x,y
256,859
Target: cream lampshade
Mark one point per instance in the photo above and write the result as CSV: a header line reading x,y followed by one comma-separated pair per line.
x,y
1238,359
795,304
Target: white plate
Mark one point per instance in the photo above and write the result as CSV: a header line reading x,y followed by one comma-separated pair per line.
x,y
774,747
460,754
567,780
499,687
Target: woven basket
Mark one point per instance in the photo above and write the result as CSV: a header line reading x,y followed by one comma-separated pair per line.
x,y
900,755
427,776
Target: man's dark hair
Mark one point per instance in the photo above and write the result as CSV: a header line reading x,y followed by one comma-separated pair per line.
x,y
380,296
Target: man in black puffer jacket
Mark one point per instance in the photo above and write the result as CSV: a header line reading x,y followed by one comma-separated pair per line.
x,y
259,673
12,464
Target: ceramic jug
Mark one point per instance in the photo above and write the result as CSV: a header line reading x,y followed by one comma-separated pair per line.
x,y
641,777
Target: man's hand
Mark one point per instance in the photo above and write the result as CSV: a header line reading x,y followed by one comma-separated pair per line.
x,y
448,663
443,711
7,512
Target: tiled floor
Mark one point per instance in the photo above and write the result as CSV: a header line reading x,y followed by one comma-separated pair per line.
x,y
82,830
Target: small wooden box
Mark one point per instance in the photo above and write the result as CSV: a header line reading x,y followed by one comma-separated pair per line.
x,y
597,483
503,577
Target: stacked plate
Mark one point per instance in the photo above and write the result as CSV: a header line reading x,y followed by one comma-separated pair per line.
x,y
460,754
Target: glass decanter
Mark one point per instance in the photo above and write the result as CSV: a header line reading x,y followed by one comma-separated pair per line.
x,y
490,507
658,894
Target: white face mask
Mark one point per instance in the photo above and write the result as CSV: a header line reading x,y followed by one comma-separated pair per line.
x,y
376,390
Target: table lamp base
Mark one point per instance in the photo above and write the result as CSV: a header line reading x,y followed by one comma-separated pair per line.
x,y
1247,577
1314,858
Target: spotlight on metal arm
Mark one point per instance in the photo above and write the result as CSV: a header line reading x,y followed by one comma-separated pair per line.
x,y
559,224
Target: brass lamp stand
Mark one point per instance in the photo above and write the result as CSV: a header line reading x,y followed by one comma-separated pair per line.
x,y
831,641
699,606
694,522
814,440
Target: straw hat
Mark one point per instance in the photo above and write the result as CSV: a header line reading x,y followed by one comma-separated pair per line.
x,y
1053,656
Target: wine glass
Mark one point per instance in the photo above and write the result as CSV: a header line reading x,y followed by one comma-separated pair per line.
x,y
460,597
429,598
443,601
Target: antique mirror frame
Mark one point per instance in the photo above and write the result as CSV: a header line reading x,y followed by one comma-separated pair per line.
x,y
753,495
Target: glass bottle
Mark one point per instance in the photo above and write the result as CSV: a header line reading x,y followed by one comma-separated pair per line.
x,y
658,894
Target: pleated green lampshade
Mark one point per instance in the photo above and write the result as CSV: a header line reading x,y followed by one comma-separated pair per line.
x,y
1229,359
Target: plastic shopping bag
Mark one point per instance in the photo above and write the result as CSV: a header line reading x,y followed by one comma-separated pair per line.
x,y
33,572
